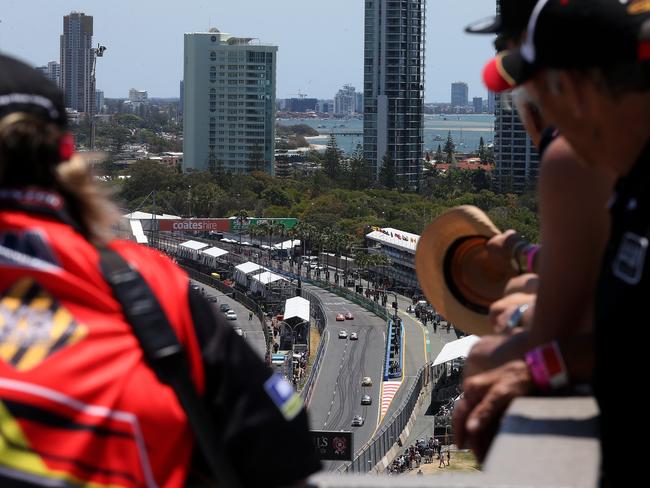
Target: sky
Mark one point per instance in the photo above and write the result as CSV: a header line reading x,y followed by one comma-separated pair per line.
x,y
320,42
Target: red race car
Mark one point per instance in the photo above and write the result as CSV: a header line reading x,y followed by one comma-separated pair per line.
x,y
340,317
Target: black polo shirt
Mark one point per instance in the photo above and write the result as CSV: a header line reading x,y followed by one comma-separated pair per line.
x,y
622,312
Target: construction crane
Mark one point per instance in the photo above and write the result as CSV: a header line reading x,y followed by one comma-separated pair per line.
x,y
299,95
95,53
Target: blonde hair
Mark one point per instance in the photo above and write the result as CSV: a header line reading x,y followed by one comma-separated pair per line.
x,y
29,156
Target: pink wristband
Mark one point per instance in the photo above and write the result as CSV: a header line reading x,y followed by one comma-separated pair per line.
x,y
537,368
530,257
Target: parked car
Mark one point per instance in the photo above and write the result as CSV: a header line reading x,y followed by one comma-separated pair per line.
x,y
231,315
224,307
354,336
343,334
366,400
366,381
357,421
349,316
340,317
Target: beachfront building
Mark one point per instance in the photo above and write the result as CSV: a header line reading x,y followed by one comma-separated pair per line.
x,y
229,103
400,247
477,102
345,101
393,89
459,94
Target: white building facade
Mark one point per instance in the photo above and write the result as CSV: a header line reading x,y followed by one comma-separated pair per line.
x,y
229,103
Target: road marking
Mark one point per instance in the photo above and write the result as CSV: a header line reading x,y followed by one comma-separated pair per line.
x,y
389,390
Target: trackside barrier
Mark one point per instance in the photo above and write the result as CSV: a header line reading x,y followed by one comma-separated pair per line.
x,y
395,335
316,310
371,454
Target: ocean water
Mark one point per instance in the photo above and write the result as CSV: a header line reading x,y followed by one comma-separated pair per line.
x,y
466,131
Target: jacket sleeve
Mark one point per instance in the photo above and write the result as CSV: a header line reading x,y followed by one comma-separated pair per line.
x,y
259,419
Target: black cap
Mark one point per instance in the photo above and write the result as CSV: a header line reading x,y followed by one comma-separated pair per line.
x,y
23,89
511,22
575,34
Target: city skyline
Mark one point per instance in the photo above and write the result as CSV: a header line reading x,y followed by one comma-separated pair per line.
x,y
146,39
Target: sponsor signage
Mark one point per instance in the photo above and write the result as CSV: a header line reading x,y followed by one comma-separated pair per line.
x,y
194,225
332,445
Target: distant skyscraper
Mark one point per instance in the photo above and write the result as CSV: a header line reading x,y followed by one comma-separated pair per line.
x,y
138,95
99,97
459,94
359,103
517,162
76,62
345,101
394,86
229,97
490,102
477,102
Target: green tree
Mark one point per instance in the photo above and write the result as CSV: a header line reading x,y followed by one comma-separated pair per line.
x,y
388,173
360,177
332,159
449,149
481,150
439,158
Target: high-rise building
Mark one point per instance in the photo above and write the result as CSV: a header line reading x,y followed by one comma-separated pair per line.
x,y
477,102
393,89
181,100
302,104
517,162
345,101
77,54
359,103
229,103
459,94
52,72
490,102
99,101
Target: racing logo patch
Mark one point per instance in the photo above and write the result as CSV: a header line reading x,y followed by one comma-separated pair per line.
x,y
630,259
283,396
34,325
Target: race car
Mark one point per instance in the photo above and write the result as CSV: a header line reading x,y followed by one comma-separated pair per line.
x,y
340,317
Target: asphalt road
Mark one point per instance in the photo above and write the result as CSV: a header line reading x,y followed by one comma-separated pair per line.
x,y
337,392
253,332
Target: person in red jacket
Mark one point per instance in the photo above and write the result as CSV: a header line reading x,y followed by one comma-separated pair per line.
x,y
78,403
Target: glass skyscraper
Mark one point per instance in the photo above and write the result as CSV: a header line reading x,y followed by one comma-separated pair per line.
x,y
77,54
394,86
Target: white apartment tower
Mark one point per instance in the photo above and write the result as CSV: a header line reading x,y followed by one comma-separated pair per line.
x,y
393,90
228,103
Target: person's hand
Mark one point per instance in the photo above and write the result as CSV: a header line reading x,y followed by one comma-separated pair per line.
x,y
523,283
482,355
501,310
487,395
500,249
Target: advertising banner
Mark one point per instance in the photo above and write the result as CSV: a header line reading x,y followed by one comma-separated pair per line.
x,y
194,225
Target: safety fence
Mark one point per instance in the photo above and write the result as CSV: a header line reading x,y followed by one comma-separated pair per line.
x,y
374,450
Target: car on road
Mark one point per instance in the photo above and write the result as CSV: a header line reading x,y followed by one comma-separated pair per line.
x,y
366,381
224,307
240,332
366,400
354,336
340,317
231,315
213,298
357,421
343,334
349,316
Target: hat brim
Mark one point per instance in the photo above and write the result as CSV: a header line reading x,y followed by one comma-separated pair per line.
x,y
460,283
488,25
506,71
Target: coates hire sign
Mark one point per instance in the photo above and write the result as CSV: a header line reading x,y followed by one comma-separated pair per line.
x,y
194,225
332,445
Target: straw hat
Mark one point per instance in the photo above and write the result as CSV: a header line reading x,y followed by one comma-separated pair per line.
x,y
454,271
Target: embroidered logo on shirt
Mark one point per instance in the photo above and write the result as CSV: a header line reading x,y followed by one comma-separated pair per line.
x,y
34,325
630,258
282,394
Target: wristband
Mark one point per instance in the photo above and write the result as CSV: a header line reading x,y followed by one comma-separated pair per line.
x,y
517,263
531,251
547,367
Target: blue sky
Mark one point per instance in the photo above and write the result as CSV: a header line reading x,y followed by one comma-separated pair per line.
x,y
320,42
